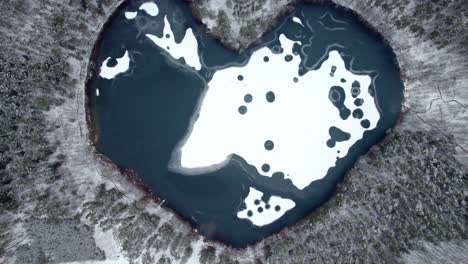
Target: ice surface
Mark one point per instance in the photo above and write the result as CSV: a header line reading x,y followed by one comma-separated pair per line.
x,y
298,20
122,66
261,213
187,48
130,15
298,121
150,8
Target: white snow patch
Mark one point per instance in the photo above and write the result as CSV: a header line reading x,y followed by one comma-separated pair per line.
x,y
97,92
297,20
262,213
130,15
106,242
150,8
187,48
297,122
123,64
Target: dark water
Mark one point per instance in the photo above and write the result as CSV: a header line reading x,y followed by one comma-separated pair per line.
x,y
141,115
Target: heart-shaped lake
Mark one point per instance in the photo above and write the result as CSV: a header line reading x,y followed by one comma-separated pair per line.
x,y
241,145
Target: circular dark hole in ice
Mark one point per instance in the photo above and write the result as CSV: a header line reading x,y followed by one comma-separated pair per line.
x,y
248,98
257,202
265,167
266,59
249,213
270,96
168,36
330,143
358,102
240,77
277,49
269,145
358,114
288,58
259,209
111,62
355,91
335,96
267,206
168,48
277,208
343,80
295,79
365,123
242,109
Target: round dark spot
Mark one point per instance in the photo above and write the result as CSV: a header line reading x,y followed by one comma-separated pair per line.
x,y
295,79
266,59
168,36
355,91
265,167
338,151
288,58
248,98
240,77
270,96
242,109
277,208
111,62
365,123
257,202
269,145
330,143
267,206
358,114
260,209
343,80
334,96
277,49
358,102
168,48
249,213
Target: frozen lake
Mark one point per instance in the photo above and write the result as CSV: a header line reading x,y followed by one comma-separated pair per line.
x,y
249,142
